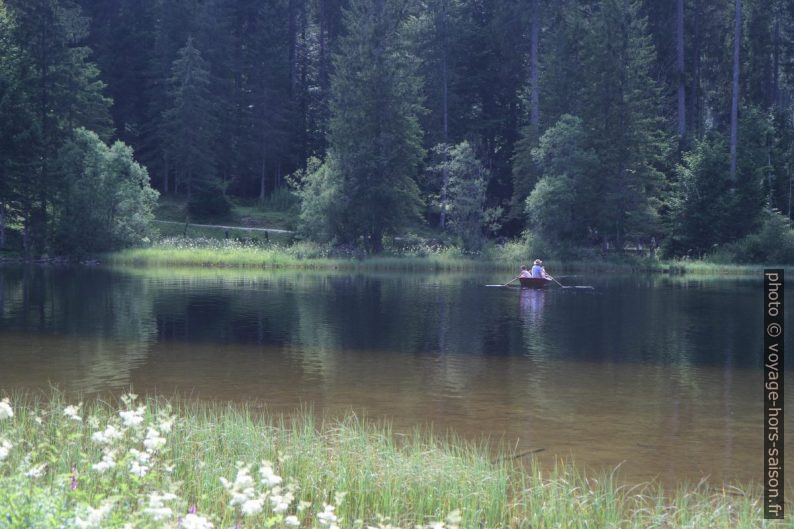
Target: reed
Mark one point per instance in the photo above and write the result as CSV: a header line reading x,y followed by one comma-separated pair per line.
x,y
239,466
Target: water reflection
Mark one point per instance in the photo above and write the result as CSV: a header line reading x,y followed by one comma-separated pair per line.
x,y
659,373
531,301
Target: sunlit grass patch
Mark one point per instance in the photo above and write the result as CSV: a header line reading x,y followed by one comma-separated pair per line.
x,y
155,463
419,257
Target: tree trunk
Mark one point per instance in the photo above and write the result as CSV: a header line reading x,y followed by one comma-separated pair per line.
x,y
737,29
293,16
789,190
165,174
262,185
445,110
694,98
2,225
304,93
679,45
534,113
776,64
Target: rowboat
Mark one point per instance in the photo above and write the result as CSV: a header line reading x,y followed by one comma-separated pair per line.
x,y
533,282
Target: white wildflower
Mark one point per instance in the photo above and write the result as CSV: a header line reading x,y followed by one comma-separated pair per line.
x,y
140,457
327,517
5,409
242,489
5,448
153,440
73,412
138,469
280,502
132,418
156,509
269,478
37,471
166,424
93,517
194,521
251,506
107,462
128,399
107,436
292,521
453,519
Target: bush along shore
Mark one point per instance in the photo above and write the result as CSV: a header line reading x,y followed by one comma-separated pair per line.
x,y
155,463
209,252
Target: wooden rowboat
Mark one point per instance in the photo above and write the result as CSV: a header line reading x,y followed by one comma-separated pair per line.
x,y
533,282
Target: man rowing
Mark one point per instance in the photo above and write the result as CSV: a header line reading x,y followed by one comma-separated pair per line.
x,y
538,272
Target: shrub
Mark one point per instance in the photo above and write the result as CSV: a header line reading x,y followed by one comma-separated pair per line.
x,y
772,243
106,201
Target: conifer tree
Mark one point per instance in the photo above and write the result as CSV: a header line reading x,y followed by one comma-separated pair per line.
x,y
374,134
627,128
62,90
188,127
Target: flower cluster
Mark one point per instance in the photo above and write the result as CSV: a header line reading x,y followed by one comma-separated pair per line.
x,y
134,470
5,409
251,500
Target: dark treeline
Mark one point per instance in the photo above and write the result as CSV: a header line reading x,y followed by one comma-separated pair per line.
x,y
589,122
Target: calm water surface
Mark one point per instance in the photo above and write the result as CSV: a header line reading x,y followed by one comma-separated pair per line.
x,y
659,375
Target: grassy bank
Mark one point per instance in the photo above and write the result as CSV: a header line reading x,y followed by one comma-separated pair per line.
x,y
208,252
160,464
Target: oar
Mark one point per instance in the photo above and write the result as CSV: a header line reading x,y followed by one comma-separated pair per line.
x,y
504,284
563,286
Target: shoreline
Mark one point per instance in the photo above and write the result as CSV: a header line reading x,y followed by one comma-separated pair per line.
x,y
310,257
282,258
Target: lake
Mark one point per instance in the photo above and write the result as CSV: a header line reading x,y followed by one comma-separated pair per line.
x,y
660,375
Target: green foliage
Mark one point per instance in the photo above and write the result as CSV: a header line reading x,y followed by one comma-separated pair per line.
x,y
278,82
208,199
188,126
374,135
773,243
625,126
466,185
105,201
48,86
525,172
322,202
560,207
702,200
709,208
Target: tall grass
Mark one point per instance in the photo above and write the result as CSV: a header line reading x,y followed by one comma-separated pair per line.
x,y
210,252
363,474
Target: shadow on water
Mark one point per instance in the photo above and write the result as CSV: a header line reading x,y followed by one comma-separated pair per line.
x,y
659,374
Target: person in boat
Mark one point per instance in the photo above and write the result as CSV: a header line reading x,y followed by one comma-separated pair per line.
x,y
538,271
524,272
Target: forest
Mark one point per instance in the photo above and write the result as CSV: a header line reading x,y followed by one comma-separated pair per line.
x,y
586,124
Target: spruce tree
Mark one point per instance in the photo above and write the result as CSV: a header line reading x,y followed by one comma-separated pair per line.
x,y
61,91
374,133
188,127
621,109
